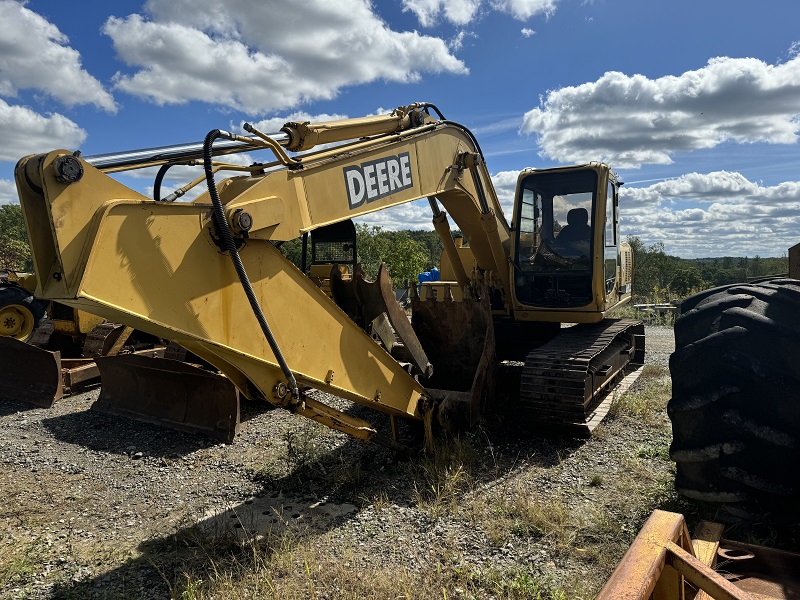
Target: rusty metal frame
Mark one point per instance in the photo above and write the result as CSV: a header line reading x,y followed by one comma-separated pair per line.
x,y
663,559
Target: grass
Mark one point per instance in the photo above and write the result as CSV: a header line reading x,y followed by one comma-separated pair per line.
x,y
443,476
320,568
544,520
651,318
646,400
18,561
550,519
450,485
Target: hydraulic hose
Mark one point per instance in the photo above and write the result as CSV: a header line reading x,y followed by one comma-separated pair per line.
x,y
159,179
224,231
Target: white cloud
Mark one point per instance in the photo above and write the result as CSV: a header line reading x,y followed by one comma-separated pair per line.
x,y
250,56
456,43
274,124
505,184
525,9
458,12
27,132
714,214
527,32
8,192
628,121
413,216
463,12
34,55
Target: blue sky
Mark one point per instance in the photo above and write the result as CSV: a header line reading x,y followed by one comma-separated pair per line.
x,y
696,104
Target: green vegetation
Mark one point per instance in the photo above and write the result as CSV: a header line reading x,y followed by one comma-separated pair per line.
x,y
406,253
659,277
15,254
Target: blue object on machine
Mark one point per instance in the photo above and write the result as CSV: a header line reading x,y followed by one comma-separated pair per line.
x,y
432,275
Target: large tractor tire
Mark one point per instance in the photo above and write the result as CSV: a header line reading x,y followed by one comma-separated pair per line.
x,y
735,405
20,313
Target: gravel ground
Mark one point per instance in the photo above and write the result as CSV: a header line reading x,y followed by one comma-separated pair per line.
x,y
90,505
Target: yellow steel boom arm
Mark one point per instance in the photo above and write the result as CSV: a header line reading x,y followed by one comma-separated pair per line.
x,y
158,267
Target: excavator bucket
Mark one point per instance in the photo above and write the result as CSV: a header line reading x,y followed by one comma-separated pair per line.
x,y
30,374
377,298
459,339
169,393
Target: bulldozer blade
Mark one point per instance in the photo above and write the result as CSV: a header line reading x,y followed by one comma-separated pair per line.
x,y
459,338
169,393
30,374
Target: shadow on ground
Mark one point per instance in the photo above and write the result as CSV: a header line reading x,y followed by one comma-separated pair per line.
x,y
110,433
320,494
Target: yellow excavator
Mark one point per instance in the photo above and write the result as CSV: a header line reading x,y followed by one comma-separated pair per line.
x,y
209,275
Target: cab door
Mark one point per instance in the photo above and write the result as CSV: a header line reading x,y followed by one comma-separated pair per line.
x,y
611,242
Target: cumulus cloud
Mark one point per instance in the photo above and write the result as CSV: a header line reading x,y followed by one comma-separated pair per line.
x,y
274,124
265,56
505,184
26,132
463,12
8,192
632,120
458,12
527,32
35,55
525,9
414,216
714,214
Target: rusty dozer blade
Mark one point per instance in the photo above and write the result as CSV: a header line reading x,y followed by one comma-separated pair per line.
x,y
169,393
458,337
29,374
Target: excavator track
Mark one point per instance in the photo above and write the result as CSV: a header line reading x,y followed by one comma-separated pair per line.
x,y
566,382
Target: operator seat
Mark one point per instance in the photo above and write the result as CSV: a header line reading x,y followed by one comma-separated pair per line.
x,y
575,238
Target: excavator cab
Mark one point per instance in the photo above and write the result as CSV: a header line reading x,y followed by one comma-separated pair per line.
x,y
554,249
566,238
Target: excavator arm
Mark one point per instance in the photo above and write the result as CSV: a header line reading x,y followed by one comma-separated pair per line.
x,y
164,267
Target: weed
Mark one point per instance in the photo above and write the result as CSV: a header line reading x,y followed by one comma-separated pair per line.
x,y
646,402
653,370
596,480
659,319
191,587
379,501
515,584
654,449
301,443
548,518
18,561
442,477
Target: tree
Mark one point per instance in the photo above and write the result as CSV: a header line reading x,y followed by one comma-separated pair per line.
x,y
407,258
293,250
404,256
687,281
652,271
15,254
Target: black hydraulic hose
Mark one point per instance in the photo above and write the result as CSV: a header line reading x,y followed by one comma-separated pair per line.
x,y
224,231
157,183
475,178
427,105
468,132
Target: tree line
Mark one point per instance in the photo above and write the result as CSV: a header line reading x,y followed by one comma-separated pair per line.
x,y
658,276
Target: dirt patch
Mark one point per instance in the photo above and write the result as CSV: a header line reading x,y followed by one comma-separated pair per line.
x,y
97,506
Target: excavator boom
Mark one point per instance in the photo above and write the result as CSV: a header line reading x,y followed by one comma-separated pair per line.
x,y
188,271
